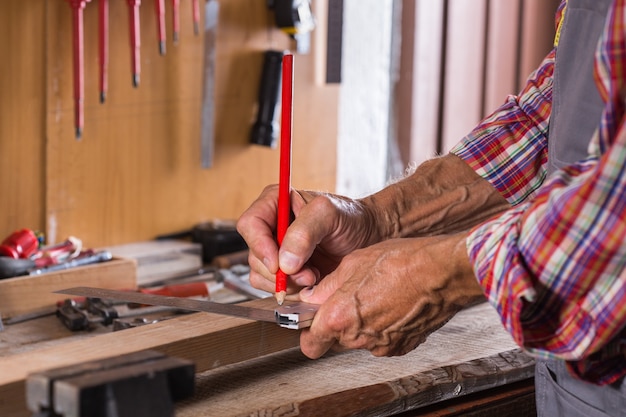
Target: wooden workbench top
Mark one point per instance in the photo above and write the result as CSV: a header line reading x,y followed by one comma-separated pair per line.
x,y
471,353
248,368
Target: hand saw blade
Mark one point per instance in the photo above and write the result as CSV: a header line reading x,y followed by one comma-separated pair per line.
x,y
290,316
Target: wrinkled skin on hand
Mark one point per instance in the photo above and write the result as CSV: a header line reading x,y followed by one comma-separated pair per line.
x,y
326,228
389,297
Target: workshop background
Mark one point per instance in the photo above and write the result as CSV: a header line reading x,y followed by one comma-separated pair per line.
x,y
416,75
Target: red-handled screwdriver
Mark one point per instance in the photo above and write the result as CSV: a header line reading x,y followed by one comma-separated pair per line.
x,y
195,9
175,19
103,42
135,39
160,11
79,76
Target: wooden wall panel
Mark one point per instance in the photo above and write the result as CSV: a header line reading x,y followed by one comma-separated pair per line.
x,y
489,48
136,172
464,66
501,53
22,113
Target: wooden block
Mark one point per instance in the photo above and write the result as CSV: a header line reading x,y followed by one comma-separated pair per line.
x,y
208,340
26,294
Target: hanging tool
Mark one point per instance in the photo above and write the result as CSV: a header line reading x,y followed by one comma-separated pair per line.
x,y
265,129
103,42
79,60
175,20
144,383
291,316
135,39
195,10
160,11
207,139
295,18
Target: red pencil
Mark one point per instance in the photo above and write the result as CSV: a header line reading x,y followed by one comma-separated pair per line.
x,y
284,181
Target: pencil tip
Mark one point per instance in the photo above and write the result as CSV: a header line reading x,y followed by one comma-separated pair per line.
x,y
103,97
162,47
79,132
135,80
280,297
196,28
175,38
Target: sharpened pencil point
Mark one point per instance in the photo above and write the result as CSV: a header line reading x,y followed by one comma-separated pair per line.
x,y
79,132
280,297
135,80
103,97
162,47
175,38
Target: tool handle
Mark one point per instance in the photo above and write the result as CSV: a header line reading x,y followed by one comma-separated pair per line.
x,y
10,267
105,311
193,289
265,129
71,316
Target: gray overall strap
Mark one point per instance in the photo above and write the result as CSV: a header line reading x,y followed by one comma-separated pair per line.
x,y
576,104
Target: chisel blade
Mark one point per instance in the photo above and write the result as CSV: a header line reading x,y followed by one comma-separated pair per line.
x,y
292,316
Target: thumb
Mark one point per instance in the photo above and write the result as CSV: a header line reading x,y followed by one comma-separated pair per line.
x,y
322,291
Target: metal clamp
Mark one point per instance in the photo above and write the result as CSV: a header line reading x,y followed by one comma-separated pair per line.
x,y
295,316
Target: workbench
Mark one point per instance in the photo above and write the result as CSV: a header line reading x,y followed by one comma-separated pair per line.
x,y
468,367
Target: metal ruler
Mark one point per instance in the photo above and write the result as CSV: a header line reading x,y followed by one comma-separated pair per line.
x,y
290,316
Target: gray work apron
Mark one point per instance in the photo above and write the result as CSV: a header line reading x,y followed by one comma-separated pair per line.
x,y
576,111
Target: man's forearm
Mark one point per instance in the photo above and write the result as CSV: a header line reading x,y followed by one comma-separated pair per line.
x,y
444,195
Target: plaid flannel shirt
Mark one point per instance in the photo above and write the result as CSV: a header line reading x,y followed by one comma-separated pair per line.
x,y
554,264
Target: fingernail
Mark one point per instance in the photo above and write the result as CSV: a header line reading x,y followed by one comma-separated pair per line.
x,y
267,263
302,281
289,261
307,292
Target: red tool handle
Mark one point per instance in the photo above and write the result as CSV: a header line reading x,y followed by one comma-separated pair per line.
x,y
79,61
160,11
284,183
103,44
195,9
193,289
20,244
135,39
175,19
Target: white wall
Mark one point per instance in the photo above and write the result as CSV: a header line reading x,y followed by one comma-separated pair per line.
x,y
364,99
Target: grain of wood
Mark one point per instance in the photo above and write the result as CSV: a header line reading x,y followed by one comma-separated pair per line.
x,y
469,354
209,340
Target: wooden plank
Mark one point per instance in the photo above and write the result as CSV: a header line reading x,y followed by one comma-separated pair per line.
x,y
249,368
471,353
21,295
463,90
502,53
418,91
22,115
537,34
208,340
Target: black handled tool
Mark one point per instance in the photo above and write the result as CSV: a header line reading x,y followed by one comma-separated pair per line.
x,y
265,129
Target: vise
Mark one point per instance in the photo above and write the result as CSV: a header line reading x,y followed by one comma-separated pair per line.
x,y
141,384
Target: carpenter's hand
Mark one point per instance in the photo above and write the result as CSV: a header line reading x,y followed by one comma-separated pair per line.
x,y
326,228
389,297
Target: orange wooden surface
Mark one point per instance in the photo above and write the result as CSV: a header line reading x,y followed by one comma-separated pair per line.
x,y
136,172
